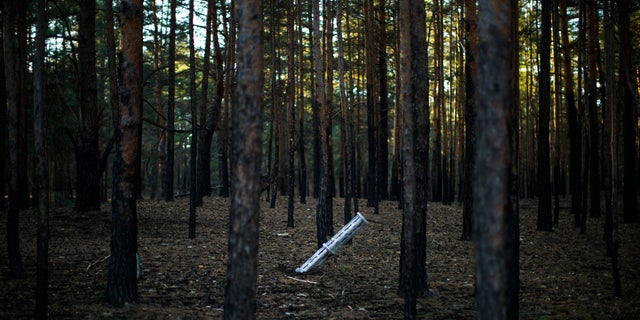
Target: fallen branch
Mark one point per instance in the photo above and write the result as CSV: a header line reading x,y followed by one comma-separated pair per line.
x,y
96,262
302,280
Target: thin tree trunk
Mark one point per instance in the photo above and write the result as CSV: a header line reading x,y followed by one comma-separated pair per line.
x,y
470,113
346,121
382,149
3,128
168,167
41,167
592,100
193,159
87,149
291,115
122,284
206,132
545,221
629,119
572,117
13,212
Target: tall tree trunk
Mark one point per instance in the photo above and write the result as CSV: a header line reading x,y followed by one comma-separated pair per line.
x,y
415,147
22,76
157,94
302,176
88,173
291,110
545,221
436,190
3,127
11,65
41,167
122,287
206,132
242,265
346,120
470,112
612,166
372,125
572,117
592,101
167,168
229,79
193,159
382,149
494,167
630,191
557,81
513,219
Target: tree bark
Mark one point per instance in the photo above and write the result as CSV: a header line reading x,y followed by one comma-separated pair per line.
x,y
193,159
242,265
41,167
88,173
545,219
122,287
629,126
470,113
415,146
592,101
167,168
493,176
11,65
291,111
3,128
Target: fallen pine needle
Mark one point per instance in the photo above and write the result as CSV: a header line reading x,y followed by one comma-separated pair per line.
x,y
302,280
96,262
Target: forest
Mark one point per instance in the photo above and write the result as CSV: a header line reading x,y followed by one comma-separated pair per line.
x,y
181,158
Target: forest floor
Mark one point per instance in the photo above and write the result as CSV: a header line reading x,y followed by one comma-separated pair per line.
x,y
564,275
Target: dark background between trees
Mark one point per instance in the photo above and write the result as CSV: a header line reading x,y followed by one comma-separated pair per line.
x,y
365,107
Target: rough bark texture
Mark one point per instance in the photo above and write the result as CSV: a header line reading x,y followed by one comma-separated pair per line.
x,y
122,287
413,54
493,176
88,174
13,212
41,166
242,265
545,222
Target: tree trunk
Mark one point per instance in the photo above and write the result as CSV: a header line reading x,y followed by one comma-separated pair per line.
x,y
41,167
545,219
325,199
88,173
415,146
291,114
629,119
372,125
592,101
572,116
122,287
382,149
13,212
167,168
301,146
3,128
206,132
494,168
470,113
230,78
193,159
242,265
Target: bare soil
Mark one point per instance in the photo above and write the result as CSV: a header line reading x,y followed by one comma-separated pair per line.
x,y
564,275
